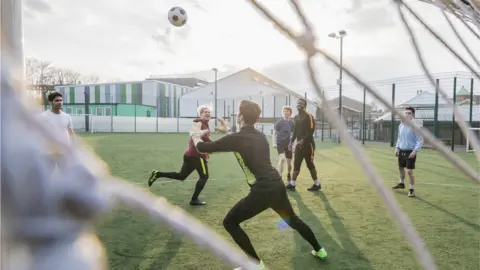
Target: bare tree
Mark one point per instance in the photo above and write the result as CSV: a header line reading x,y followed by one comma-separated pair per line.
x,y
116,80
91,79
44,71
31,65
71,77
58,76
39,72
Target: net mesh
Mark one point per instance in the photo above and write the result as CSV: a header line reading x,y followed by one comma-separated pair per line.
x,y
47,219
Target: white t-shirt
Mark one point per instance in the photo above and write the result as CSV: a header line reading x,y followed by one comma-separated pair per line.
x,y
59,124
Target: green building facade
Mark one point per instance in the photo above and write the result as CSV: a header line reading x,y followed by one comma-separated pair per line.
x,y
142,99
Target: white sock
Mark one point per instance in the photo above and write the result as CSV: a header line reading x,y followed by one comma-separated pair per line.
x,y
281,163
292,182
316,182
250,264
402,180
411,186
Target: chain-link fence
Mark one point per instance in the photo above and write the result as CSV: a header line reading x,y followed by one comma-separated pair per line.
x,y
147,107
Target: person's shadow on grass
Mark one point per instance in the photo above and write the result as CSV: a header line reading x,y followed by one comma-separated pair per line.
x,y
337,257
355,255
474,226
163,260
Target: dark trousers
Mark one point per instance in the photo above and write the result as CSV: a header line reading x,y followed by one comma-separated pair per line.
x,y
190,164
256,202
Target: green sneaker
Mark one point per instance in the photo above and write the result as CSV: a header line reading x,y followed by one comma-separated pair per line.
x,y
260,266
152,178
322,254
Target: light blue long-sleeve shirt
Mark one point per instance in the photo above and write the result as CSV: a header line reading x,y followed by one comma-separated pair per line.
x,y
407,139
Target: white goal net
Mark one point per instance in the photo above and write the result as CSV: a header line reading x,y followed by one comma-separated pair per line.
x,y
44,218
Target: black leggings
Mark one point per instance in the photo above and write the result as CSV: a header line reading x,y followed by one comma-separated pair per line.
x,y
190,163
307,153
255,203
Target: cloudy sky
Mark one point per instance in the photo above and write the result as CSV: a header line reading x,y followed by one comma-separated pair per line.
x,y
131,40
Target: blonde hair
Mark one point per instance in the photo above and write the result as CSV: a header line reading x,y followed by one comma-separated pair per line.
x,y
202,108
287,108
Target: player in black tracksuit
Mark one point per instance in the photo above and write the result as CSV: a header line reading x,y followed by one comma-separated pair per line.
x,y
251,148
305,149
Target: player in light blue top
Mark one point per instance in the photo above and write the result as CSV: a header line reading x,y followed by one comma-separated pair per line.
x,y
281,139
408,144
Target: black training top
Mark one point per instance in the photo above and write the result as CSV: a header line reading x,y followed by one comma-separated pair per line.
x,y
252,151
304,128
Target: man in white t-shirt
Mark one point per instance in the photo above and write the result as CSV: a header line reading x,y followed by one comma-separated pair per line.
x,y
60,123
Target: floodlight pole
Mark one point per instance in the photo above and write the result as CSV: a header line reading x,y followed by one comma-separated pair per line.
x,y
216,72
340,35
340,81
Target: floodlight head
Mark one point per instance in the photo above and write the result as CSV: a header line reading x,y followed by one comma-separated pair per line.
x,y
342,33
215,69
332,35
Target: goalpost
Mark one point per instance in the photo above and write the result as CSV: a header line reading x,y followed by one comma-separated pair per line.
x,y
475,131
81,118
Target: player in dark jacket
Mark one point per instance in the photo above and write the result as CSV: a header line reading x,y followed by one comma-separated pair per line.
x,y
305,148
267,191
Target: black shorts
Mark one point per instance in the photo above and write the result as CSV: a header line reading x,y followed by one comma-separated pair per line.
x,y
259,200
404,161
305,152
284,150
194,163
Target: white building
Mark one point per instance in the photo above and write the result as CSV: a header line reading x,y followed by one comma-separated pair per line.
x,y
245,84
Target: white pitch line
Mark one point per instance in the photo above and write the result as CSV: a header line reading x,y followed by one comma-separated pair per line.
x,y
323,182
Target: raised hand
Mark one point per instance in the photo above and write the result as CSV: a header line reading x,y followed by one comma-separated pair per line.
x,y
223,127
196,129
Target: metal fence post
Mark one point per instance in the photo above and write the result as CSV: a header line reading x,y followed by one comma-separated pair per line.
x,y
470,116
364,126
453,114
111,113
436,129
392,124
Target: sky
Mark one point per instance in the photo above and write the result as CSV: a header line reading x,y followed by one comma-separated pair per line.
x,y
132,40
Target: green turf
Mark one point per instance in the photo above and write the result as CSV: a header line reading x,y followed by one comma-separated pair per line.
x,y
348,218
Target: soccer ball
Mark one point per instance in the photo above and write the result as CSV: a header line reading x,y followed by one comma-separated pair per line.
x,y
177,16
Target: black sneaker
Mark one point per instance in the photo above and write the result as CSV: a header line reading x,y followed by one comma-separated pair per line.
x,y
399,186
411,193
152,178
197,202
315,188
290,187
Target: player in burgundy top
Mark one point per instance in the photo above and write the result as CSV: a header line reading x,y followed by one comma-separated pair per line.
x,y
192,160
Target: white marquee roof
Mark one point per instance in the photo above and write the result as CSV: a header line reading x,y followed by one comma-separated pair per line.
x,y
243,84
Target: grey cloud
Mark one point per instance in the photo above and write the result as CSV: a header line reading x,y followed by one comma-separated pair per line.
x,y
371,16
293,74
196,4
40,6
169,37
371,19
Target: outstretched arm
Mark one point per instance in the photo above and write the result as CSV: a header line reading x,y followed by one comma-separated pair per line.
x,y
224,144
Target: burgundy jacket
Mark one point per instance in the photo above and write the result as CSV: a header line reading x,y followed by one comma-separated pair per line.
x,y
191,150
